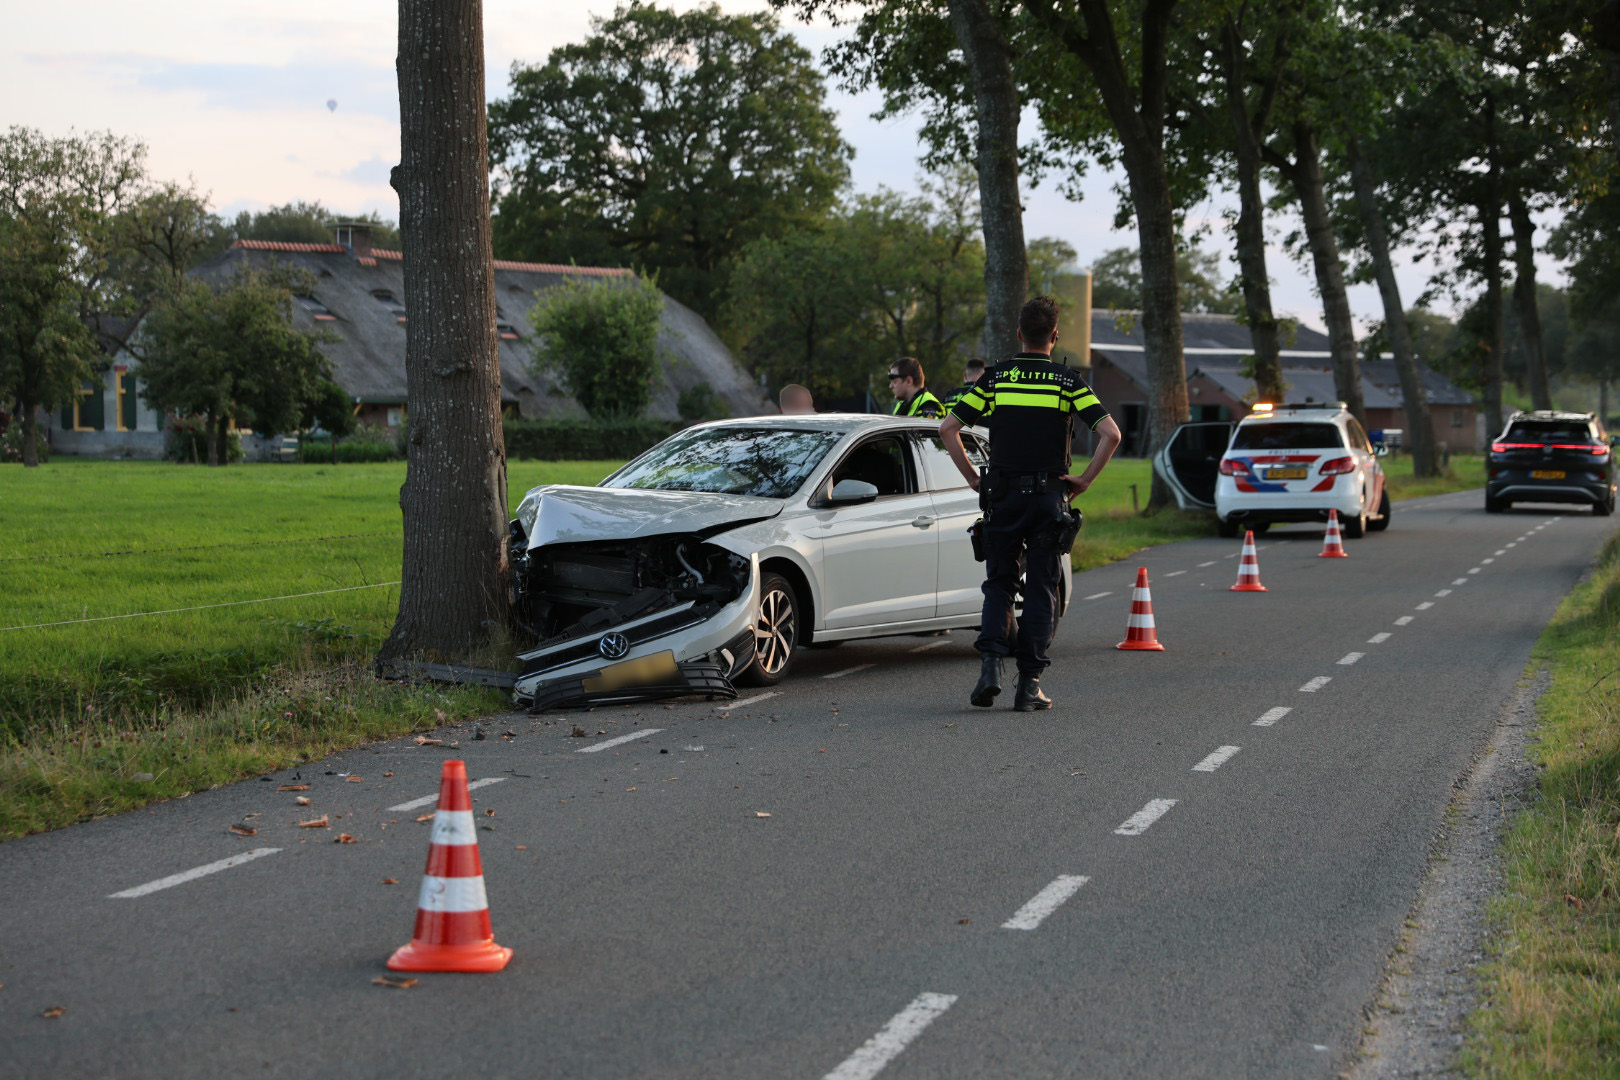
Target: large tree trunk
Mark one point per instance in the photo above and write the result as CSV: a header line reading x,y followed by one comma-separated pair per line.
x,y
1490,225
212,426
1524,300
1324,244
1606,36
453,595
995,101
1251,224
1161,314
1419,420
30,432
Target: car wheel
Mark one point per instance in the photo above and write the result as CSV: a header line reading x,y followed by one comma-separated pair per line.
x,y
776,632
1604,508
1382,522
1495,506
1355,527
1227,530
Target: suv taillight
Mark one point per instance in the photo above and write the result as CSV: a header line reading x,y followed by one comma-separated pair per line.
x,y
1338,465
1231,468
1504,447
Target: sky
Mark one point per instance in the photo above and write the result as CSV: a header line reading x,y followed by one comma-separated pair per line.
x,y
235,95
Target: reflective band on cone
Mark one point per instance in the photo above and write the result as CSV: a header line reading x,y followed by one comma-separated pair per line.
x,y
1249,567
1139,629
452,912
1332,546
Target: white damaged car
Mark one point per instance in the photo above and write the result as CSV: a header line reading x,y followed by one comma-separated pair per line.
x,y
713,556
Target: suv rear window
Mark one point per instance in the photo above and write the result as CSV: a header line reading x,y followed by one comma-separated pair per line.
x,y
1547,431
1287,435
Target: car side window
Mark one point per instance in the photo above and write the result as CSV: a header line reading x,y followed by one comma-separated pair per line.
x,y
1358,436
880,462
941,471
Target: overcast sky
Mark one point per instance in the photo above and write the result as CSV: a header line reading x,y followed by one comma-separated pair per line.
x,y
234,95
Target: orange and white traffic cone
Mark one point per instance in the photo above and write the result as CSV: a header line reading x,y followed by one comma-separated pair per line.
x,y
1332,545
1140,632
1249,567
452,913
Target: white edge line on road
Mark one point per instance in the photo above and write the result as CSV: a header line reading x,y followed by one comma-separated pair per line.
x,y
1273,715
1215,760
1175,573
1426,605
932,645
896,1035
1403,620
1204,564
848,671
424,800
1097,596
1379,639
603,745
192,875
1350,658
1138,823
1316,684
1442,594
1045,902
755,700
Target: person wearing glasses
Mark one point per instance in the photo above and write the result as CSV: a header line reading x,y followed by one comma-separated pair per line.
x,y
911,396
1030,405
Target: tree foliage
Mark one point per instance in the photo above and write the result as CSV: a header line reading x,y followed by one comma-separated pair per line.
x,y
666,141
301,222
601,335
1116,281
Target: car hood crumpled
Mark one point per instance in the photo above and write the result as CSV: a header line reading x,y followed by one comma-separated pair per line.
x,y
569,515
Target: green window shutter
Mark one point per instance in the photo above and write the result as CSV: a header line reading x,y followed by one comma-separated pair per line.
x,y
126,383
93,407
67,417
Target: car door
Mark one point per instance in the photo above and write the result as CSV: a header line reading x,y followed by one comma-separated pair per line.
x,y
956,506
1190,462
880,559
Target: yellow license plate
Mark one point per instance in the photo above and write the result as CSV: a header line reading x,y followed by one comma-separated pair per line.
x,y
642,671
1287,474
1547,474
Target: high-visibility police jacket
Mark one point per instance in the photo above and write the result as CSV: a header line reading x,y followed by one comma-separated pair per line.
x,y
922,403
1030,405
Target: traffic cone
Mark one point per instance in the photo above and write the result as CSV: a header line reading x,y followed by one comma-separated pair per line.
x,y
452,913
1332,545
1139,629
1249,567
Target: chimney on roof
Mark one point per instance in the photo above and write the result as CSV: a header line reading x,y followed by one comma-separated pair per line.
x,y
356,236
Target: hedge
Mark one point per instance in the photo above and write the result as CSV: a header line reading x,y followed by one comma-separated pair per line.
x,y
584,440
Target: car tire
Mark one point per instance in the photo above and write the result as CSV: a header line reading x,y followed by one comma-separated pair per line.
x,y
1382,521
1605,508
1495,506
1355,527
1226,530
776,632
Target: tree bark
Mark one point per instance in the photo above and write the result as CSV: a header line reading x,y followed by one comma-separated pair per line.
x,y
1524,300
1323,240
1419,419
1490,224
1251,222
995,101
452,597
1606,36
30,433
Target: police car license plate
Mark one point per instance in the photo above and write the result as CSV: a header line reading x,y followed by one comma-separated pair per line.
x,y
1287,474
1547,474
642,671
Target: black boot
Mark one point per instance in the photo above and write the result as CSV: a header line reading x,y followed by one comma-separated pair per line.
x,y
984,694
1030,697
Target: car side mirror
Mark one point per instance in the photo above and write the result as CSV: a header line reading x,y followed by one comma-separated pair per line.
x,y
852,493
1381,450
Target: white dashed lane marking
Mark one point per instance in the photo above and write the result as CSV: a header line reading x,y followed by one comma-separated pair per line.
x,y
1503,551
1175,573
1403,620
1097,596
1442,593
1138,823
1486,562
1216,759
1460,581
1378,639
1316,684
896,1035
1204,564
1426,605
1350,658
755,700
1473,570
849,671
192,875
622,739
1045,902
1271,716
488,780
932,645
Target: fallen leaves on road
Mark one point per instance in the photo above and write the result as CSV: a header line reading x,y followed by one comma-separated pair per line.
x,y
315,823
423,740
53,1012
394,982
293,787
356,780
302,800
244,830
388,774
520,847
427,817
390,881
489,813
344,838
577,733
761,813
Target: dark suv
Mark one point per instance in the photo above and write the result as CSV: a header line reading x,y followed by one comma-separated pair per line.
x,y
1548,456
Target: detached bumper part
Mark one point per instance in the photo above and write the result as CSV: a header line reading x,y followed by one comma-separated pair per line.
x,y
693,678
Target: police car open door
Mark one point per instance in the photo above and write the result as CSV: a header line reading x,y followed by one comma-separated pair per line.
x,y
1191,461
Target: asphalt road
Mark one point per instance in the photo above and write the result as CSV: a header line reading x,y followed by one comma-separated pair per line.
x,y
1250,812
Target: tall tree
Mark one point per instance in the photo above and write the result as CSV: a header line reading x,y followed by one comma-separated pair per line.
x,y
666,140
452,596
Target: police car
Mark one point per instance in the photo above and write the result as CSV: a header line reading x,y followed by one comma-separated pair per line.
x,y
1281,463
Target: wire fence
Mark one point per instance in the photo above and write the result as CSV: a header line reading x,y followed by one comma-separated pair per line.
x,y
191,547
198,607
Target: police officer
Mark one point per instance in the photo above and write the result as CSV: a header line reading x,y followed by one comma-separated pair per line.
x,y
970,375
1029,404
911,397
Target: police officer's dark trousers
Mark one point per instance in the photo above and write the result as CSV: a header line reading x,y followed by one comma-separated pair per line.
x,y
1015,517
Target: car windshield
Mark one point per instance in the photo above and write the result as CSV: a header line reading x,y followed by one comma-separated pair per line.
x,y
1543,431
1286,435
771,463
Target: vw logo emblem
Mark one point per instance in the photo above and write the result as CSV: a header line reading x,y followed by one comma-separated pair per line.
x,y
613,646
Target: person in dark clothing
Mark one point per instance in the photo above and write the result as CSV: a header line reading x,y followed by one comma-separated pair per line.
x,y
911,396
971,372
1030,405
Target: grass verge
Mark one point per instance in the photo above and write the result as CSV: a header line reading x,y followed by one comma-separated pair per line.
x,y
1552,991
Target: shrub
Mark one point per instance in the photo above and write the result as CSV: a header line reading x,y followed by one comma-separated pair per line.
x,y
186,440
583,440
602,337
369,442
11,444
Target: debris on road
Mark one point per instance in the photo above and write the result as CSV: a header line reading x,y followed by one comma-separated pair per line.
x,y
315,823
302,800
244,830
53,1012
293,787
394,982
423,740
344,838
761,813
356,780
390,881
425,817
